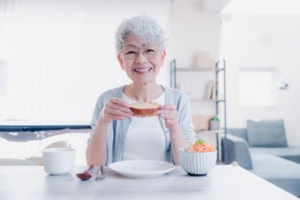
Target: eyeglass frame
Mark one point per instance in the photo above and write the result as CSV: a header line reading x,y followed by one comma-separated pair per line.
x,y
138,52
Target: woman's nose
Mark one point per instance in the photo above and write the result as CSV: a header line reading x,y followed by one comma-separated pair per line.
x,y
141,58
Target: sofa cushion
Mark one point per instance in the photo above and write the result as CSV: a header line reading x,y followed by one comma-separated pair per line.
x,y
239,132
266,133
281,172
290,153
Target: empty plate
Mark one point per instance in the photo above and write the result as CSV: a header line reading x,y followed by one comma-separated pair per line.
x,y
141,168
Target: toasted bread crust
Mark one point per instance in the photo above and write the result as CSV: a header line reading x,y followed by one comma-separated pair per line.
x,y
146,111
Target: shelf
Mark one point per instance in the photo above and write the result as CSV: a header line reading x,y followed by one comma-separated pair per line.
x,y
207,100
209,131
218,68
182,69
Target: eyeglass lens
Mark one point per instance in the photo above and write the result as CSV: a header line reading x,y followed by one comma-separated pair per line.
x,y
131,52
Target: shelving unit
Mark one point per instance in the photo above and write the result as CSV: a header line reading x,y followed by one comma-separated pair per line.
x,y
173,72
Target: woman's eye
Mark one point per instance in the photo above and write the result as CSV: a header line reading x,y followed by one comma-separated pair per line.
x,y
150,50
131,52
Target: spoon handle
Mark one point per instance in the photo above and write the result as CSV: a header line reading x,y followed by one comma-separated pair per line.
x,y
88,169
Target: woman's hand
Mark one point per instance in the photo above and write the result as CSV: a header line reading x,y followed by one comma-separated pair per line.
x,y
170,115
115,109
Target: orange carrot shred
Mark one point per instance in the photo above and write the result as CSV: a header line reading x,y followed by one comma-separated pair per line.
x,y
200,146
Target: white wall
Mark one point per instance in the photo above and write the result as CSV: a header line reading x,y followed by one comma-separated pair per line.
x,y
264,41
193,31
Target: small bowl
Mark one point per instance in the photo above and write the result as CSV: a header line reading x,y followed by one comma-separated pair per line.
x,y
197,163
58,161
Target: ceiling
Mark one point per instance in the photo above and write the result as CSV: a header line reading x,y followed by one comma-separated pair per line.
x,y
246,6
213,6
206,6
291,7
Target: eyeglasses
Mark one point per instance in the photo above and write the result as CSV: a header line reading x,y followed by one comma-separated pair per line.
x,y
132,52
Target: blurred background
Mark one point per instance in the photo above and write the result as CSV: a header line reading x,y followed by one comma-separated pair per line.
x,y
57,57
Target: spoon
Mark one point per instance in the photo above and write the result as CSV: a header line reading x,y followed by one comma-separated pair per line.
x,y
85,175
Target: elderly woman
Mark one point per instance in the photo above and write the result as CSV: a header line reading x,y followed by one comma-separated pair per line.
x,y
116,135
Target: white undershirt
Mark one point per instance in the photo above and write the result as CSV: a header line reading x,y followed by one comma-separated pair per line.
x,y
145,139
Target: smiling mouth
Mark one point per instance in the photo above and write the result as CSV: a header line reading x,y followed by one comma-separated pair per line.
x,y
143,70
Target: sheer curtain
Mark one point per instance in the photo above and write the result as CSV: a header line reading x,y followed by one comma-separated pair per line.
x,y
60,55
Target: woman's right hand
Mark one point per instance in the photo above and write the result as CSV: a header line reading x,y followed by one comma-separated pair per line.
x,y
115,109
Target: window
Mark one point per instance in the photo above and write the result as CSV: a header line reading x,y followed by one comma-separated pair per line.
x,y
257,87
57,57
60,55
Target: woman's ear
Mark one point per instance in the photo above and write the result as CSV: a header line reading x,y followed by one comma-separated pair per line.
x,y
163,56
121,61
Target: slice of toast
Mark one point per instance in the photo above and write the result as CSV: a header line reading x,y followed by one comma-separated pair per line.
x,y
147,109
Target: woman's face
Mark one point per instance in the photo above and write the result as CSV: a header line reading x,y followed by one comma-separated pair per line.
x,y
140,61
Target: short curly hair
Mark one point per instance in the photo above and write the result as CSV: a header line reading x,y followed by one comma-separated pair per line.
x,y
145,28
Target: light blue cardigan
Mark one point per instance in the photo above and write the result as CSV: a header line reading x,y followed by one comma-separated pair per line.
x,y
117,129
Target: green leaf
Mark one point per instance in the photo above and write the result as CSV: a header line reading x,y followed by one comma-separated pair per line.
x,y
199,141
215,118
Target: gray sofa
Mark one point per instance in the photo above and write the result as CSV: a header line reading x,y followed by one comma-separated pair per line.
x,y
262,149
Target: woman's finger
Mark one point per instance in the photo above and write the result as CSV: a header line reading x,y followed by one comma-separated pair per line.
x,y
167,112
121,108
168,107
164,112
117,112
169,116
111,116
120,102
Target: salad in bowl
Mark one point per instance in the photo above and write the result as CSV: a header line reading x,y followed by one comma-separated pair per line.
x,y
198,159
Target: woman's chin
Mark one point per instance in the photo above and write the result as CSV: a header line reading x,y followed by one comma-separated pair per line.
x,y
144,82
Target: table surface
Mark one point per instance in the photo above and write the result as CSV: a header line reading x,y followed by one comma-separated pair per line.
x,y
223,182
22,131
24,126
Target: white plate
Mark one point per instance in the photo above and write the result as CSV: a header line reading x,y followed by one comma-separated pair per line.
x,y
141,168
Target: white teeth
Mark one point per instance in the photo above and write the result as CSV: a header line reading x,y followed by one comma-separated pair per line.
x,y
142,70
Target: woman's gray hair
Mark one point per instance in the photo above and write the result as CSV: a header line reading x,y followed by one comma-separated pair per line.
x,y
145,28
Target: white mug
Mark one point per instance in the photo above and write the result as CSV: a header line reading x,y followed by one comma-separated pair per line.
x,y
58,161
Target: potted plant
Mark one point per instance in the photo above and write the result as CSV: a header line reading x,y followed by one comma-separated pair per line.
x,y
214,123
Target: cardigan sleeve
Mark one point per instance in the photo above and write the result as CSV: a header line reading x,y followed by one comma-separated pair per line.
x,y
110,136
96,113
185,118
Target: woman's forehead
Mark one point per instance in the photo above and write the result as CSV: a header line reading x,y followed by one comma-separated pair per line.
x,y
133,41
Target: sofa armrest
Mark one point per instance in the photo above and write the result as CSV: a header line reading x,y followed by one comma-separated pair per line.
x,y
237,150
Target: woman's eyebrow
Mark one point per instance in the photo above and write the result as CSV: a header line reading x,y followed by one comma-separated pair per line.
x,y
130,45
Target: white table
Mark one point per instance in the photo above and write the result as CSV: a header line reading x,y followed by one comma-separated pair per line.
x,y
224,182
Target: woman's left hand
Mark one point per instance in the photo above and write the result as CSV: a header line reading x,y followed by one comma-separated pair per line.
x,y
170,115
